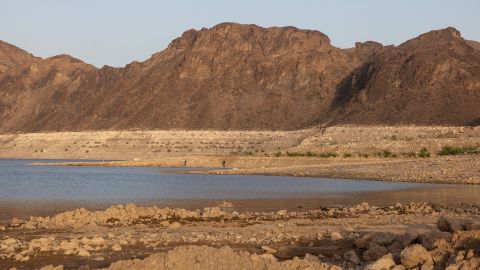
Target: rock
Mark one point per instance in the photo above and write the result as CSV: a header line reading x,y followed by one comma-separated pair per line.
x,y
311,258
416,256
470,226
268,257
431,240
16,222
117,247
269,249
396,248
51,267
82,252
408,238
98,258
282,212
2,228
374,252
384,238
363,241
445,224
97,241
335,236
384,263
470,254
212,212
21,258
174,225
88,248
9,241
42,244
29,225
351,256
337,257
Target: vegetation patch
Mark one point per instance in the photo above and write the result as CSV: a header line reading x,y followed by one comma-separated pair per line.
x,y
328,154
424,153
458,150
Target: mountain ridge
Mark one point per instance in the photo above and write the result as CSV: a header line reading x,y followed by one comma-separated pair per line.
x,y
246,77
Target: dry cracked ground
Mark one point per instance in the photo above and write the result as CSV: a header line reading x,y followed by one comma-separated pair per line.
x,y
411,236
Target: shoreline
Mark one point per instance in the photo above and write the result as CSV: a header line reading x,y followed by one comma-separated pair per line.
x,y
385,170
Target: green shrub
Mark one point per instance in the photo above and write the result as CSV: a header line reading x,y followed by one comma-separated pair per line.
x,y
387,153
347,155
328,154
278,153
294,154
424,153
299,154
452,150
364,155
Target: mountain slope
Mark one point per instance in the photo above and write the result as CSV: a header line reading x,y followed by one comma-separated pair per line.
x,y
432,79
246,77
11,56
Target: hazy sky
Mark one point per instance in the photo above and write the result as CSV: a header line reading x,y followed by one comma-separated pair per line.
x,y
116,32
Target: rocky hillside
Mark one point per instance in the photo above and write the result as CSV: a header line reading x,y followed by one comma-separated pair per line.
x,y
432,79
246,77
11,56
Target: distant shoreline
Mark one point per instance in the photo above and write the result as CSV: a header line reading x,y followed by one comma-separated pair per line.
x,y
387,153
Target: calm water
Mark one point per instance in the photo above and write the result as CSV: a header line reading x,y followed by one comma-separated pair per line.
x,y
21,184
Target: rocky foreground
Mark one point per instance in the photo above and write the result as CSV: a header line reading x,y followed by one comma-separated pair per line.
x,y
413,236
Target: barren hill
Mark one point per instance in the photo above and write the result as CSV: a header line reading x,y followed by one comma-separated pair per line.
x,y
235,76
432,79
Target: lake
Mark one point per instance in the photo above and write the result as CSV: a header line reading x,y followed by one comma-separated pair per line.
x,y
28,189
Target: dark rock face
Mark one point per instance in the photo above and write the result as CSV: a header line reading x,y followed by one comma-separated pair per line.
x,y
246,77
432,79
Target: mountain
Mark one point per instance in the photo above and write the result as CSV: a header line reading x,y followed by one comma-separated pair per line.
x,y
246,77
11,56
432,79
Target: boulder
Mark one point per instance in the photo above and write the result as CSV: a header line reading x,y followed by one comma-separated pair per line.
x,y
384,263
363,241
433,239
335,236
416,256
351,256
97,241
16,222
374,252
116,247
445,224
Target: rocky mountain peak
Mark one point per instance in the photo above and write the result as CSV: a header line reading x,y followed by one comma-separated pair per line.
x,y
12,56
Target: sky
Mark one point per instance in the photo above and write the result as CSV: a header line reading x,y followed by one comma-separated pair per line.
x,y
117,32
